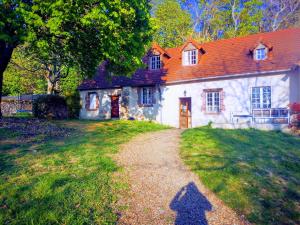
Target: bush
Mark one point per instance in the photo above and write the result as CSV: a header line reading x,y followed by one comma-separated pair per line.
x,y
73,104
295,115
50,107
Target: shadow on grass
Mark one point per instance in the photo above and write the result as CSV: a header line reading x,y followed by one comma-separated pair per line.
x,y
255,172
190,206
63,180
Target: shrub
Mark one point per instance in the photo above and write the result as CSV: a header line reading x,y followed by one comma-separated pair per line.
x,y
50,107
295,115
73,104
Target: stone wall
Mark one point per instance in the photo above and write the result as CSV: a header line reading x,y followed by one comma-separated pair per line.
x,y
10,107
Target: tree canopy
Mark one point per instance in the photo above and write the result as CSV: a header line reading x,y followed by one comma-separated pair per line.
x,y
80,33
174,25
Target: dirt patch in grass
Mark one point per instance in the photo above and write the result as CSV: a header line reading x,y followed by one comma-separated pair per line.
x,y
32,127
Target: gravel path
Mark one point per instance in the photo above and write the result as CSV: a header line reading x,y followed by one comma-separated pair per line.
x,y
162,189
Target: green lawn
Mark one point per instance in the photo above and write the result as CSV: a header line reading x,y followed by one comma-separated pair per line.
x,y
63,180
257,173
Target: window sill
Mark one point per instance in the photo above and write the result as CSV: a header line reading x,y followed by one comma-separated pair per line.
x,y
190,64
145,105
158,69
91,110
212,113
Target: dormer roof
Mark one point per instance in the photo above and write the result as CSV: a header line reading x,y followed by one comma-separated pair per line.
x,y
191,41
162,51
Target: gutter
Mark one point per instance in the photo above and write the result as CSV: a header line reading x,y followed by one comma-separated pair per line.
x,y
228,76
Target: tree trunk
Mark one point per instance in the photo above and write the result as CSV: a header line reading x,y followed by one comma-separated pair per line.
x,y
50,87
6,51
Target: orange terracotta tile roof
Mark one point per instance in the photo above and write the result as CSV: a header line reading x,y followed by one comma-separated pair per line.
x,y
220,58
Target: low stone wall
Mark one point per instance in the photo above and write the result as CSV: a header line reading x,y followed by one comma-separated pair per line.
x,y
10,107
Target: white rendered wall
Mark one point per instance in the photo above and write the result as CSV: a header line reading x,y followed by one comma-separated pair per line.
x,y
104,111
295,86
237,98
140,112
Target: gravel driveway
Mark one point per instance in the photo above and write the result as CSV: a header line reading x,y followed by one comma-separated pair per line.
x,y
162,189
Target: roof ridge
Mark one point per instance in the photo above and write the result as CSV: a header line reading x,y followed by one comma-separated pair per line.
x,y
235,38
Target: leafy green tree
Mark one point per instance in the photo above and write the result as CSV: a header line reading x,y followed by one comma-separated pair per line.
x,y
238,17
174,24
76,33
23,75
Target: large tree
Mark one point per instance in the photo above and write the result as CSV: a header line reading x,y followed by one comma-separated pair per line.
x,y
215,19
281,14
239,17
24,75
76,32
174,24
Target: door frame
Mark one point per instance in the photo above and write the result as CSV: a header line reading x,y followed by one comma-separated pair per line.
x,y
189,117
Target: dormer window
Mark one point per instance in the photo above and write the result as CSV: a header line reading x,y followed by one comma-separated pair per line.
x,y
260,53
190,57
155,62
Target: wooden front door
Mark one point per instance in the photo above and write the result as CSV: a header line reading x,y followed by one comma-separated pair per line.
x,y
185,112
114,106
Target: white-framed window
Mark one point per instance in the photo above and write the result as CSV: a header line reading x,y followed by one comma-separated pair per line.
x,y
93,101
260,53
147,96
213,101
155,62
190,57
261,97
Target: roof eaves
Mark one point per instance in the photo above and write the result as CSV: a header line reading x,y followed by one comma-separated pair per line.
x,y
229,76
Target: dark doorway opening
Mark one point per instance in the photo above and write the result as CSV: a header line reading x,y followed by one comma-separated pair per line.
x,y
114,106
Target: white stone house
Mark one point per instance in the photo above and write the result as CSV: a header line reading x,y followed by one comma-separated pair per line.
x,y
232,83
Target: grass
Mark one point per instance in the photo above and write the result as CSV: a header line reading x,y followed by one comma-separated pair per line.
x,y
63,180
257,173
22,115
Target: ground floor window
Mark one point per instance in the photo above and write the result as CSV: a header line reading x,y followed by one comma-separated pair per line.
x,y
261,97
213,101
92,101
147,96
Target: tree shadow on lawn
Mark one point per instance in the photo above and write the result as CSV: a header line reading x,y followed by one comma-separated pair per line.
x,y
65,180
190,206
255,172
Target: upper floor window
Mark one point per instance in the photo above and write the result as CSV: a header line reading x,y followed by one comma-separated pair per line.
x,y
261,97
213,101
190,57
261,53
146,96
155,62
